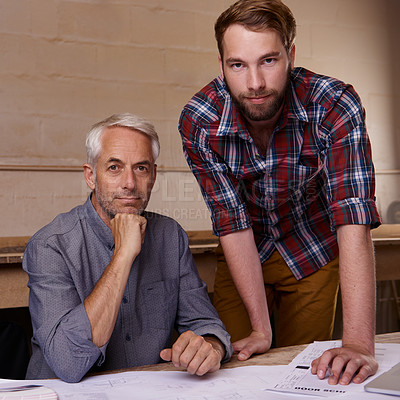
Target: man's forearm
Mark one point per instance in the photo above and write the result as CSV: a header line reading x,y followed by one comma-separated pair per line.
x,y
103,303
244,264
357,281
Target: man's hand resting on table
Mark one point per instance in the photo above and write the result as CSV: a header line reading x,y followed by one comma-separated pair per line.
x,y
256,343
356,364
197,354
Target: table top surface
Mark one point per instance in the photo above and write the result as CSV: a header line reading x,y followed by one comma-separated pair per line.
x,y
278,356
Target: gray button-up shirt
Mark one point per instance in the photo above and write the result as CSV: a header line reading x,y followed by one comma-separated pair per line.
x,y
64,261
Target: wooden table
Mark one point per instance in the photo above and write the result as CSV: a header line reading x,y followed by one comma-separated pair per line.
x,y
13,280
386,240
279,356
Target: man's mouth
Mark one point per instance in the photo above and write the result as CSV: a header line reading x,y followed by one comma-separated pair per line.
x,y
257,100
128,199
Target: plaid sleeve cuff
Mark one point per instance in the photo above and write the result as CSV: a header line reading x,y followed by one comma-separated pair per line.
x,y
229,221
355,211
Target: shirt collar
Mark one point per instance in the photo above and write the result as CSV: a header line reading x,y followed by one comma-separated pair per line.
x,y
296,109
232,122
101,230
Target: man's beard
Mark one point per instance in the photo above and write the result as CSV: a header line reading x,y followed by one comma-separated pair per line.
x,y
261,112
107,205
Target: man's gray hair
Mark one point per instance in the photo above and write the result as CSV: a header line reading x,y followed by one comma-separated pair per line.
x,y
125,120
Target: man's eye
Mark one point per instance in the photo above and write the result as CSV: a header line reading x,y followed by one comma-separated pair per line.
x,y
269,61
113,167
142,168
236,66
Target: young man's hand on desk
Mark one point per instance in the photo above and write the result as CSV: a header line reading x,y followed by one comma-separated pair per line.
x,y
345,364
197,354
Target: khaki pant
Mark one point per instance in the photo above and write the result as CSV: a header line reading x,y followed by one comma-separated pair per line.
x,y
305,309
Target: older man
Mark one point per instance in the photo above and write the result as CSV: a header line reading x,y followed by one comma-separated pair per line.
x,y
109,281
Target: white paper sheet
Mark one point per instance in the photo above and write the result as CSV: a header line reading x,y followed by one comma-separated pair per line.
x,y
300,380
243,383
27,392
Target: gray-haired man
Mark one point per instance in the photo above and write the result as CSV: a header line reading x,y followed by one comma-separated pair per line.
x,y
109,281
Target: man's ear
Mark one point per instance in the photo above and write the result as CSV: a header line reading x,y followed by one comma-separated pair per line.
x,y
89,176
154,175
292,55
220,64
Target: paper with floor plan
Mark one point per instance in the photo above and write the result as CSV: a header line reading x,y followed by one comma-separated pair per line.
x,y
242,383
299,379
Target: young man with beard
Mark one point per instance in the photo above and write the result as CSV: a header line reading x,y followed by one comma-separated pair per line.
x,y
109,282
284,163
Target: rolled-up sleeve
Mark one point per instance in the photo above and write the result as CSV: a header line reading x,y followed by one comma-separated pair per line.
x,y
61,327
351,177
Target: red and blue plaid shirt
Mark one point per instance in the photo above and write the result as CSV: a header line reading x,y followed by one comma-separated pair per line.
x,y
317,172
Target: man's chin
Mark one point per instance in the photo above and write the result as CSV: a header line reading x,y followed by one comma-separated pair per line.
x,y
130,210
129,207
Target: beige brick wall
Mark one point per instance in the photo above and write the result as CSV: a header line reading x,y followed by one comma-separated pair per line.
x,y
66,64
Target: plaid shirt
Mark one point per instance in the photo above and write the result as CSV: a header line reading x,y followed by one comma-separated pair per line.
x,y
317,172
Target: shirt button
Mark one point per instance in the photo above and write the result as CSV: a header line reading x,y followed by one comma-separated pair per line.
x,y
128,337
124,300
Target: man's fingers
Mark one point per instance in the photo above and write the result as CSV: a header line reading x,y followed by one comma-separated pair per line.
x,y
125,222
184,357
195,353
348,371
341,363
244,355
344,365
256,343
364,373
211,363
184,349
336,370
238,346
321,365
128,232
202,360
358,369
166,354
243,348
330,362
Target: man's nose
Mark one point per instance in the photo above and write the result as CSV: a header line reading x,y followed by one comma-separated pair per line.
x,y
256,79
129,179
